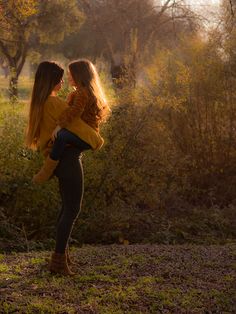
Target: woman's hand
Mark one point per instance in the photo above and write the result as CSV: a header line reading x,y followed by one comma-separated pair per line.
x,y
54,133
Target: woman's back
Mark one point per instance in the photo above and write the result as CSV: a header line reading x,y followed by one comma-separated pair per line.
x,y
53,107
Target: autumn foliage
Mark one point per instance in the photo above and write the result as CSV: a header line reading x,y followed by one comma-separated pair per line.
x,y
167,172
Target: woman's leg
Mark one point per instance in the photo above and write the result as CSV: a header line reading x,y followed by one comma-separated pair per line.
x,y
73,197
62,207
69,260
70,174
63,138
71,190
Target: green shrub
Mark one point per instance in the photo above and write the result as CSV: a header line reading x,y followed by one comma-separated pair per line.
x,y
27,205
166,173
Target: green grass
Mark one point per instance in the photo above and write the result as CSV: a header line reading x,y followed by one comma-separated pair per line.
x,y
122,279
24,87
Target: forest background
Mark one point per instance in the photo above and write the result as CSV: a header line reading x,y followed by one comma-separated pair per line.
x,y
167,173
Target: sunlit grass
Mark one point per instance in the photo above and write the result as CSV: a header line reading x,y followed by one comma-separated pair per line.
x,y
3,268
25,84
176,285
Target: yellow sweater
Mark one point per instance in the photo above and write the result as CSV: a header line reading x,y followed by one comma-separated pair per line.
x,y
53,107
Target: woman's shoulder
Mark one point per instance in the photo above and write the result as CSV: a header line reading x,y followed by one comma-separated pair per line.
x,y
55,103
55,100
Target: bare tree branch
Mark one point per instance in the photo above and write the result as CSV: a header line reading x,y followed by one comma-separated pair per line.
x,y
231,8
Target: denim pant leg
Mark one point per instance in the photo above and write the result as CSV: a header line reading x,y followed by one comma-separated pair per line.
x,y
63,138
71,184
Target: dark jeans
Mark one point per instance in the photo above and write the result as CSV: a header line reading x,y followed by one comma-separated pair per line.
x,y
63,138
71,185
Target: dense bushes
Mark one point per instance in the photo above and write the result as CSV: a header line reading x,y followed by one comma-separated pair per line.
x,y
31,208
167,171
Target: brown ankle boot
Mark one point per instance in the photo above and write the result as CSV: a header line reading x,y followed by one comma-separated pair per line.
x,y
58,264
69,260
46,171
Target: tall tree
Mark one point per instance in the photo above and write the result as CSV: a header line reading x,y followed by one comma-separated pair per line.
x,y
25,24
123,30
228,35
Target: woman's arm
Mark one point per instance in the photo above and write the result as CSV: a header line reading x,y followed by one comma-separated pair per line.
x,y
76,107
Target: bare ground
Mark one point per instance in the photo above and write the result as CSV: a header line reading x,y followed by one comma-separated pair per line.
x,y
123,279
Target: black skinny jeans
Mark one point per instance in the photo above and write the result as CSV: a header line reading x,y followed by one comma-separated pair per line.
x,y
63,138
71,185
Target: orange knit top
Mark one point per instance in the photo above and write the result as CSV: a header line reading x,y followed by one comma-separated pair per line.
x,y
54,107
81,104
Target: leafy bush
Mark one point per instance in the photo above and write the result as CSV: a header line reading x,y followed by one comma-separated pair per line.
x,y
166,173
170,150
26,205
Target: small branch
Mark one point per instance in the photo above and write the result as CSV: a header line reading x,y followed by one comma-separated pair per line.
x,y
231,8
22,62
5,51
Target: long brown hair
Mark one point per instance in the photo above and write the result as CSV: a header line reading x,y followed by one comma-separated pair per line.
x,y
47,76
85,76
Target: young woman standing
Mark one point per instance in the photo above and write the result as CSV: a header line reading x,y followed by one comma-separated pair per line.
x,y
45,110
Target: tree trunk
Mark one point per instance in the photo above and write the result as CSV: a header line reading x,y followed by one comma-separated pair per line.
x,y
15,64
13,87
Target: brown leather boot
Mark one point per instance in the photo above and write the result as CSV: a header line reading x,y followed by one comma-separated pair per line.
x,y
58,264
69,260
46,171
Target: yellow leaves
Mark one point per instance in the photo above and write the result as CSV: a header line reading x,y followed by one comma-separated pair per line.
x,y
16,19
157,70
176,103
23,8
183,76
27,8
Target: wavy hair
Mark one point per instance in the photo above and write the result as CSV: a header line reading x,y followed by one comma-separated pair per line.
x,y
85,75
